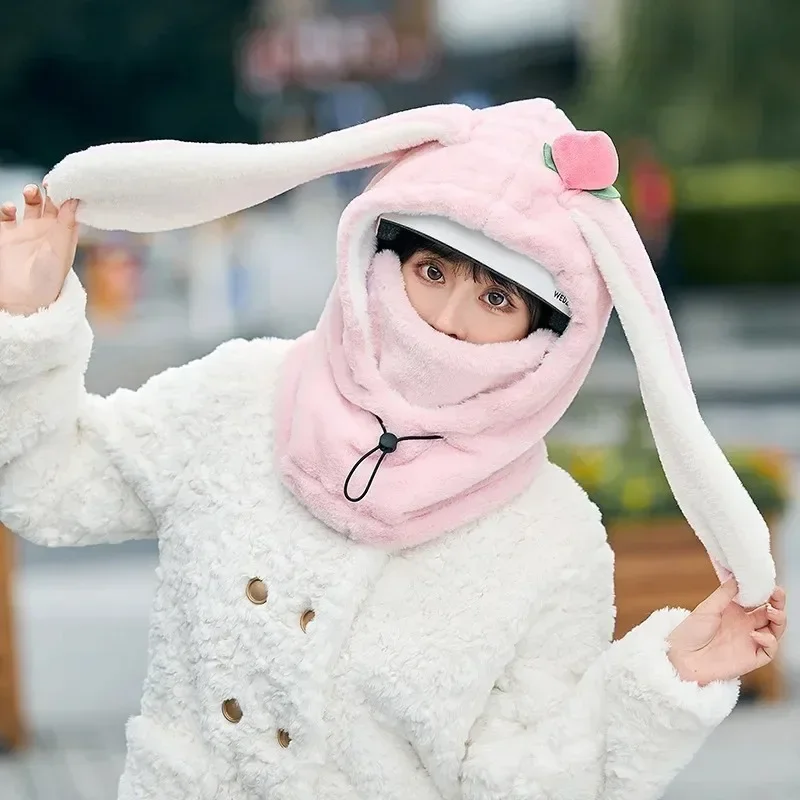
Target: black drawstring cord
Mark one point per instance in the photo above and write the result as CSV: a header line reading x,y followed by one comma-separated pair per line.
x,y
386,444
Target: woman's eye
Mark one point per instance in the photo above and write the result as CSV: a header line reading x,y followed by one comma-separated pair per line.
x,y
496,299
433,273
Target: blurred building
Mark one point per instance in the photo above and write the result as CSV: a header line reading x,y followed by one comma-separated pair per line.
x,y
312,65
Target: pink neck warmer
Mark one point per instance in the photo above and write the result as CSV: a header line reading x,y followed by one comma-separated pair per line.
x,y
343,388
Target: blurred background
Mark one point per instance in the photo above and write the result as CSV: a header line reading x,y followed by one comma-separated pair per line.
x,y
703,102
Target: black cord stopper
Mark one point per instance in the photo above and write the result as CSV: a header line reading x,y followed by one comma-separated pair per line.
x,y
387,443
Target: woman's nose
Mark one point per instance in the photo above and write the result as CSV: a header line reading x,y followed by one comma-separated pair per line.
x,y
450,318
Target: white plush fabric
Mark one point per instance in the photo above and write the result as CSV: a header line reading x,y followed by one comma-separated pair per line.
x,y
705,485
476,667
162,185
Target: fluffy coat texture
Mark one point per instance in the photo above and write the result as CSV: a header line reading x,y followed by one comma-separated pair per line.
x,y
474,667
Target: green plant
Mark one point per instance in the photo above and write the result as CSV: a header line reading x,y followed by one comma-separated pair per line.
x,y
627,481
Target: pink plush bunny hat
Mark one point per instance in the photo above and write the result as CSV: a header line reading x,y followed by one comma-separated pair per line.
x,y
522,176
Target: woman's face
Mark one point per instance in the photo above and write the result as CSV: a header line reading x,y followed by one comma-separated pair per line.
x,y
444,293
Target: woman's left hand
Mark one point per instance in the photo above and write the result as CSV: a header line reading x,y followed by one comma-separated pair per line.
x,y
720,640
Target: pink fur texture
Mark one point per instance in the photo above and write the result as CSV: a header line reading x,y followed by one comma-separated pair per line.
x,y
371,354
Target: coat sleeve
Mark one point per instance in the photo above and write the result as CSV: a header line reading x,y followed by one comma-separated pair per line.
x,y
576,717
75,468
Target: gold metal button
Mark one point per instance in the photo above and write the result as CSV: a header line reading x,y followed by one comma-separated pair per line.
x,y
284,740
257,591
232,711
307,619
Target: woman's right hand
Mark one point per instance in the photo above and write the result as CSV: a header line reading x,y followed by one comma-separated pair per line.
x,y
36,253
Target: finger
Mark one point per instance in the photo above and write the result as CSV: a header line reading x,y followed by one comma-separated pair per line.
x,y
766,641
8,216
64,237
33,202
720,599
68,214
50,208
777,620
778,599
758,617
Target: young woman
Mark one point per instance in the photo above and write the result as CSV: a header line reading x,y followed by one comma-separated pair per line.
x,y
372,581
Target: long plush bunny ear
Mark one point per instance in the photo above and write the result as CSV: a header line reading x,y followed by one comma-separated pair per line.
x,y
163,185
705,485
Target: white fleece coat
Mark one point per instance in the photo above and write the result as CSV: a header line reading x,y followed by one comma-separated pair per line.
x,y
476,667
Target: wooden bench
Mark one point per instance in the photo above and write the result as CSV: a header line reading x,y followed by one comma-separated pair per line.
x,y
12,730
